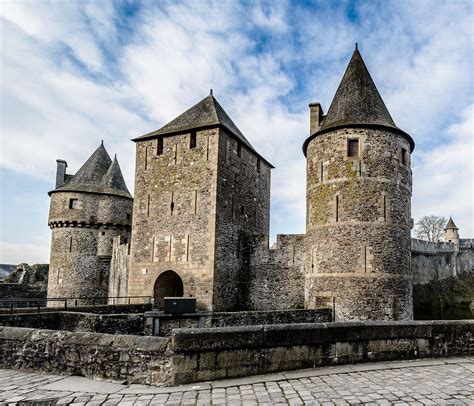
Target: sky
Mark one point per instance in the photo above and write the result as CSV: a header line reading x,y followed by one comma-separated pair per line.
x,y
73,73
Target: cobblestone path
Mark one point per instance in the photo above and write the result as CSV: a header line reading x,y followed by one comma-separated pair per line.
x,y
424,382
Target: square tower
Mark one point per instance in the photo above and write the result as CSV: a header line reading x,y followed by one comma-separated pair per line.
x,y
201,190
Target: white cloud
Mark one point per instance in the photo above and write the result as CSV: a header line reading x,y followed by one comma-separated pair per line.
x,y
443,179
52,107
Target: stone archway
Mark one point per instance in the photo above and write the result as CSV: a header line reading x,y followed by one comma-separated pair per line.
x,y
168,284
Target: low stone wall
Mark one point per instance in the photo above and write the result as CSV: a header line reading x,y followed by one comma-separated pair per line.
x,y
131,359
97,309
75,321
167,322
195,355
208,354
19,290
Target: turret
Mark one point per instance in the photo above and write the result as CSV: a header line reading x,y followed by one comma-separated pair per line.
x,y
87,211
358,205
451,233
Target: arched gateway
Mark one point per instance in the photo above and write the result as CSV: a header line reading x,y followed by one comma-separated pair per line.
x,y
168,284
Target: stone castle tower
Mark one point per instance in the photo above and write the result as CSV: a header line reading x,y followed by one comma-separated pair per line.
x,y
201,190
358,205
87,210
451,232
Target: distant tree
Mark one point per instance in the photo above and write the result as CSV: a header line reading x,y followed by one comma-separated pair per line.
x,y
430,228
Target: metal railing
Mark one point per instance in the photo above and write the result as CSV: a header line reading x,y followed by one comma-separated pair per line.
x,y
15,305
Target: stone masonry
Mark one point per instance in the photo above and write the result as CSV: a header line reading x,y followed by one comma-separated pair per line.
x,y
200,188
202,208
87,211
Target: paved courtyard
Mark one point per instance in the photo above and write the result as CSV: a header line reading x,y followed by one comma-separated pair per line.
x,y
424,382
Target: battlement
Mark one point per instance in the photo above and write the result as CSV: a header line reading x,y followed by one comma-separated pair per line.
x,y
429,247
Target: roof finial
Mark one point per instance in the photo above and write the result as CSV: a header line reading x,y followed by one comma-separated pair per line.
x,y
211,92
356,47
115,156
102,142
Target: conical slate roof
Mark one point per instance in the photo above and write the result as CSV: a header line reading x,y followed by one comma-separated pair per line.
x,y
113,179
451,225
99,174
207,113
357,103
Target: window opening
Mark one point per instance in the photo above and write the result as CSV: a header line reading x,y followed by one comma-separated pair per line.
x,y
353,148
159,146
192,140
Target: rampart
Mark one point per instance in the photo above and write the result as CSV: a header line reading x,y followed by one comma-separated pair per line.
x,y
432,261
276,274
193,355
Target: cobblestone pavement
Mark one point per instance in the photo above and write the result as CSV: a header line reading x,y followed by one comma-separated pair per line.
x,y
424,382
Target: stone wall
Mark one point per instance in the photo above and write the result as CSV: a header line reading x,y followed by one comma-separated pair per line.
x,y
276,275
243,210
118,277
131,359
76,321
96,309
81,242
195,355
174,214
166,322
437,261
208,354
358,225
18,290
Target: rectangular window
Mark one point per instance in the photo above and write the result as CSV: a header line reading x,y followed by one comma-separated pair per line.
x,y
404,156
239,149
192,140
73,203
159,146
353,148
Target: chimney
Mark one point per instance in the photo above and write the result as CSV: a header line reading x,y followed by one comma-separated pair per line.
x,y
60,172
315,117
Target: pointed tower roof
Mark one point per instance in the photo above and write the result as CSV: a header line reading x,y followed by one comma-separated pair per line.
x,y
205,114
99,174
450,225
113,181
357,103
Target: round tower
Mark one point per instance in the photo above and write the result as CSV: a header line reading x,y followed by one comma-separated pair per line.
x,y
358,205
451,233
87,211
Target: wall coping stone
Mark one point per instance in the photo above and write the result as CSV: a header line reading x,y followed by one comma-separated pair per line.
x,y
205,339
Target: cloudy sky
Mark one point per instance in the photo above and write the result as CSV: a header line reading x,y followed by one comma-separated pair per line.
x,y
75,72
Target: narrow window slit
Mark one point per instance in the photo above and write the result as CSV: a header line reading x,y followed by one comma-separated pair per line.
x,y
152,249
146,158
321,172
192,140
337,208
159,146
148,206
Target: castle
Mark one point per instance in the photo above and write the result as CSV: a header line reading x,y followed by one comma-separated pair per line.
x,y
198,224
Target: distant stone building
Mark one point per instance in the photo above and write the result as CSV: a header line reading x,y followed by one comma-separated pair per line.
x,y
202,207
87,211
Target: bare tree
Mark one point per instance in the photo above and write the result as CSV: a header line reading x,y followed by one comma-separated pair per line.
x,y
430,228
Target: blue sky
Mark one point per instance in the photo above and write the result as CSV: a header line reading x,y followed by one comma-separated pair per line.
x,y
73,73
